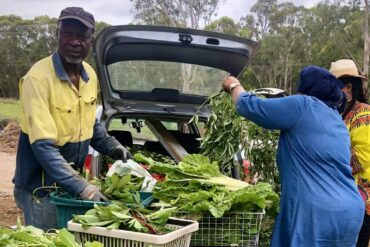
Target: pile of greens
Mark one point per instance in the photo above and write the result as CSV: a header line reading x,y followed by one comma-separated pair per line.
x,y
121,188
119,216
32,236
153,155
197,185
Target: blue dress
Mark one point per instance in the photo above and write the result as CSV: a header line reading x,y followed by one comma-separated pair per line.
x,y
320,204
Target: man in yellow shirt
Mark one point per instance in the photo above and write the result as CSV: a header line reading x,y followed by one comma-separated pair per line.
x,y
58,100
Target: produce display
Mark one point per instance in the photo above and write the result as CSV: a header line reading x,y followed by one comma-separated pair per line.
x,y
32,236
197,185
229,211
120,188
119,216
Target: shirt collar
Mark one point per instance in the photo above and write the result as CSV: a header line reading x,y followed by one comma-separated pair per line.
x,y
61,73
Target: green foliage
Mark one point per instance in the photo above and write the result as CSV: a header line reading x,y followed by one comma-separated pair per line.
x,y
196,185
24,42
120,188
227,132
222,136
223,25
181,13
32,236
261,146
118,216
293,37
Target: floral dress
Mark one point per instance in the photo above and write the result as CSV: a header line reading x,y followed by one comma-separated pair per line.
x,y
358,124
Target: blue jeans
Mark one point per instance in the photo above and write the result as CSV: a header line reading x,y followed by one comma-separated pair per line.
x,y
38,212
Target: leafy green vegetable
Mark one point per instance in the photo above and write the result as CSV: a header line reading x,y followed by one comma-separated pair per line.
x,y
196,185
197,167
32,236
119,216
66,238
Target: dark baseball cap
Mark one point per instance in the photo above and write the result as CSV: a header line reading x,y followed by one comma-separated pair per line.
x,y
79,14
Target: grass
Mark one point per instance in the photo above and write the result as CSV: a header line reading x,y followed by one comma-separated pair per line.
x,y
10,109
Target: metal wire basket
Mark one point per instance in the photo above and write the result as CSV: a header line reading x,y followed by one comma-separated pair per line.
x,y
233,229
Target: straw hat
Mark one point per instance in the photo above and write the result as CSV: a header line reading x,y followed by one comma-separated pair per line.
x,y
345,68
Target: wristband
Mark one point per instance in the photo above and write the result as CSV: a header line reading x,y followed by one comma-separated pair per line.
x,y
234,85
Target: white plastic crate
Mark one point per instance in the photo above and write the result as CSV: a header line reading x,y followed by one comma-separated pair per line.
x,y
179,237
233,229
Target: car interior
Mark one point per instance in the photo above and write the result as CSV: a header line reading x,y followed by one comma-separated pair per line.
x,y
134,133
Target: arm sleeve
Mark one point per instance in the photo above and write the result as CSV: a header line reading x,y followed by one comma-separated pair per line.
x,y
278,113
57,167
101,141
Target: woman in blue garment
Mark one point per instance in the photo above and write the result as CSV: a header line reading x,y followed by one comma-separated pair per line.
x,y
320,205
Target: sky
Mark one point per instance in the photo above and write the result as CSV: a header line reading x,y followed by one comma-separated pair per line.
x,y
114,12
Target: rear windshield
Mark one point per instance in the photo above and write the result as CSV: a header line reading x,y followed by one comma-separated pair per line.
x,y
148,75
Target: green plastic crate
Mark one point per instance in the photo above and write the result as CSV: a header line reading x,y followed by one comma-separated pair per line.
x,y
67,206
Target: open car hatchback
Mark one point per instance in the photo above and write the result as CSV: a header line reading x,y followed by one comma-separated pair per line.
x,y
154,79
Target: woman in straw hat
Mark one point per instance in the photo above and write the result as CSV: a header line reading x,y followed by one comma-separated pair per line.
x,y
320,205
356,115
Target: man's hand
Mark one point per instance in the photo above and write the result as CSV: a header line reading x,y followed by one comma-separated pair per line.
x,y
121,153
92,193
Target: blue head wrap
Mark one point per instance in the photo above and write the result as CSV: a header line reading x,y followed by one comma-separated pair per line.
x,y
320,83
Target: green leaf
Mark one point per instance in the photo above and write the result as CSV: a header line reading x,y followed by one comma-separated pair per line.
x,y
135,225
122,215
67,238
93,244
114,225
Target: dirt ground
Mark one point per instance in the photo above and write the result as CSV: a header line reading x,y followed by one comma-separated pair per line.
x,y
8,144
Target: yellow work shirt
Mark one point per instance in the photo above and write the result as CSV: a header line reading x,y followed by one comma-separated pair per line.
x,y
53,108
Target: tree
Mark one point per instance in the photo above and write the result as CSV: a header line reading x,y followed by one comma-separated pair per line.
x,y
259,20
23,42
176,13
224,25
278,59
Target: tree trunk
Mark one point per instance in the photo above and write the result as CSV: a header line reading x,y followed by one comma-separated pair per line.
x,y
366,46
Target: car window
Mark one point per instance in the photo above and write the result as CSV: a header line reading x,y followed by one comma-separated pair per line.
x,y
144,134
170,125
201,128
148,75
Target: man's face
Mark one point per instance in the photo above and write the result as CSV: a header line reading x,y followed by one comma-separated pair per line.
x,y
74,41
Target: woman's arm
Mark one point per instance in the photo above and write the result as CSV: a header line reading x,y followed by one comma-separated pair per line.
x,y
277,113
